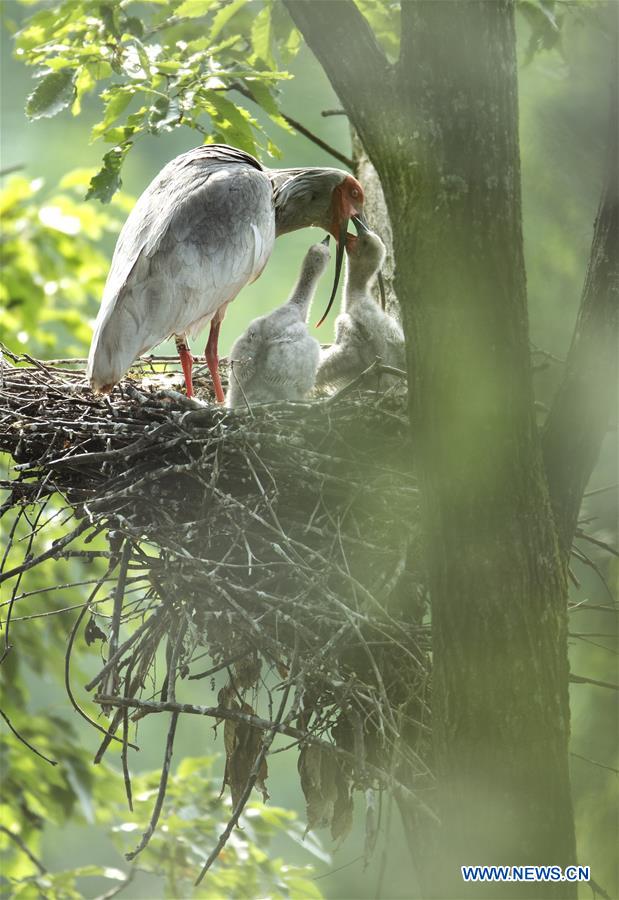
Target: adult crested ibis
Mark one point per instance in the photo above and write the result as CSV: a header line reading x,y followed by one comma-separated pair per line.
x,y
363,331
203,229
276,358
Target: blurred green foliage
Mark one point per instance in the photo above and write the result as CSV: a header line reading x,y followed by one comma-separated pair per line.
x,y
53,267
194,813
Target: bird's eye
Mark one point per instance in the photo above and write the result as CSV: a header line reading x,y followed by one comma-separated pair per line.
x,y
354,193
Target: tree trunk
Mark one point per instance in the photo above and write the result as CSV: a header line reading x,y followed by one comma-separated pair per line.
x,y
500,682
441,128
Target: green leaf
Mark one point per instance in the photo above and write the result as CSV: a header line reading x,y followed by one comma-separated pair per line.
x,y
384,20
116,101
233,122
545,28
224,15
107,181
191,9
84,83
164,115
54,92
132,25
261,34
265,99
286,36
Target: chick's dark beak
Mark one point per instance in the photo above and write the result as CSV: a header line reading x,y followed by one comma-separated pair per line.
x,y
325,241
361,223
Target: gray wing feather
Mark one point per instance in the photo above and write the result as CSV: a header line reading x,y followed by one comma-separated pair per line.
x,y
200,231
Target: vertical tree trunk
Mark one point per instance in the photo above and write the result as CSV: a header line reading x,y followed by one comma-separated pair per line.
x,y
500,683
441,128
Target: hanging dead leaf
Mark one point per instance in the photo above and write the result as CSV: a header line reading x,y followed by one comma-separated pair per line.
x,y
371,823
341,821
92,632
247,670
318,772
242,743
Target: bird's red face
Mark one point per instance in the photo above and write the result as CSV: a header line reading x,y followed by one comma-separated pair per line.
x,y
346,201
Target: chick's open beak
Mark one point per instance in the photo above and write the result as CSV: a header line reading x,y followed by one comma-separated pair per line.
x,y
361,224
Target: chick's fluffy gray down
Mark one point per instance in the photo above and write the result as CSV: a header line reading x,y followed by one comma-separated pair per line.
x,y
363,331
276,358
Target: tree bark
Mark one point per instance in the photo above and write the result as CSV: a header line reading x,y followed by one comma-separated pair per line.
x,y
375,209
441,129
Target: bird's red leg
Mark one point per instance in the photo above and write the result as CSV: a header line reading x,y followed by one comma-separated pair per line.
x,y
212,360
187,363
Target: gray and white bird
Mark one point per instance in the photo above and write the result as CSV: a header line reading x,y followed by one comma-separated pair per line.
x,y
363,331
203,229
276,358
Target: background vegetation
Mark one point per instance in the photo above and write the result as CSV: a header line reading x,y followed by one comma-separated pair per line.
x,y
56,248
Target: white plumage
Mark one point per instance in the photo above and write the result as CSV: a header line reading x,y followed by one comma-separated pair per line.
x,y
363,331
276,358
203,229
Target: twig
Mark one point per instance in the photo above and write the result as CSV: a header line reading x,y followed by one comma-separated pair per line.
x,y
23,740
603,545
594,762
119,595
163,783
602,490
122,649
587,561
170,687
597,889
267,740
377,367
8,170
125,748
593,607
214,669
53,551
220,712
580,679
341,157
113,892
24,849
67,666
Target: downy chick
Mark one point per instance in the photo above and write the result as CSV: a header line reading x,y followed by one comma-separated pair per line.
x,y
363,331
275,358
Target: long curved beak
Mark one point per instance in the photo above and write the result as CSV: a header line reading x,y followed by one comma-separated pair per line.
x,y
339,258
361,224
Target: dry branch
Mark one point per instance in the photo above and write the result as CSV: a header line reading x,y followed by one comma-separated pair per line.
x,y
243,535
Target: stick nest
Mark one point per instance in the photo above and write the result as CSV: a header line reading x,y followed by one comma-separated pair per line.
x,y
281,542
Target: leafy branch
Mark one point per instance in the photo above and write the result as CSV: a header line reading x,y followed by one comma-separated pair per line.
x,y
159,68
